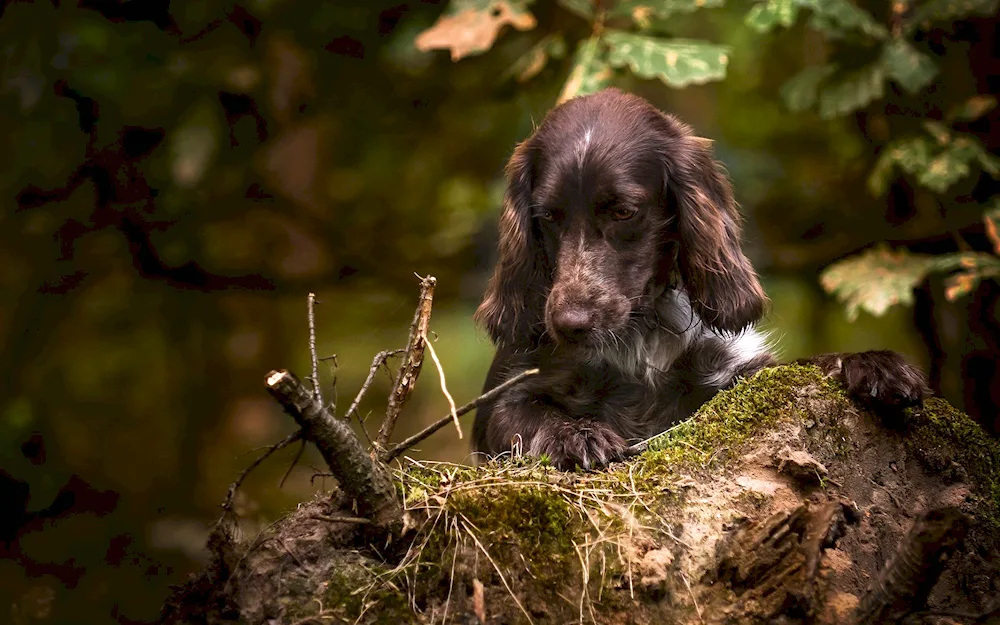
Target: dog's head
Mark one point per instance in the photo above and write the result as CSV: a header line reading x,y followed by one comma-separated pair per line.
x,y
607,203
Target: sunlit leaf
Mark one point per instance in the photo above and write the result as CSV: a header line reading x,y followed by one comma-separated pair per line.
x,y
834,16
908,67
676,62
943,171
532,62
880,278
955,161
471,26
974,267
765,16
937,162
950,10
800,92
852,92
972,109
991,220
644,11
590,71
582,8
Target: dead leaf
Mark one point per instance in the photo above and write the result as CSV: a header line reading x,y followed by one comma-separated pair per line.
x,y
473,31
479,600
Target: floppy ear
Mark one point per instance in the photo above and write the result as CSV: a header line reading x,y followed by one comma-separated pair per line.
x,y
721,282
513,307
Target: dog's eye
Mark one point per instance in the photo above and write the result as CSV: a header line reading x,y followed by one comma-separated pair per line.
x,y
622,213
546,215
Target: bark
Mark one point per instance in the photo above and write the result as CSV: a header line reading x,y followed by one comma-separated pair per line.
x,y
780,502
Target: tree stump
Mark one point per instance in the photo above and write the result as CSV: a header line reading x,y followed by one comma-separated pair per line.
x,y
781,501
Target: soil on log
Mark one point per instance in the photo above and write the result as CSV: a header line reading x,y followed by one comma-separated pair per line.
x,y
781,501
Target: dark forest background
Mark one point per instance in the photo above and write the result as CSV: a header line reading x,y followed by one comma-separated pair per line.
x,y
175,177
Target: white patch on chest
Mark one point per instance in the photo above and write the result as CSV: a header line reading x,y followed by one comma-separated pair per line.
x,y
741,349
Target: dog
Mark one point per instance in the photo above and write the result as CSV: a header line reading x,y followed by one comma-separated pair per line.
x,y
621,277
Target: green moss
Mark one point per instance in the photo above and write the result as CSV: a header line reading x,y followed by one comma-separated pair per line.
x,y
530,521
943,436
351,590
730,418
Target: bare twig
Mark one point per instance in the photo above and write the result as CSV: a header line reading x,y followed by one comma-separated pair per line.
x,y
409,369
903,585
361,478
227,505
444,386
396,450
295,461
377,362
333,381
311,313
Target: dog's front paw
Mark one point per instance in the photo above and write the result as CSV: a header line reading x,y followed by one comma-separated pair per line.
x,y
883,379
587,444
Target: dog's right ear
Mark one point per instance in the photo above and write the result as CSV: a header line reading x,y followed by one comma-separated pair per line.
x,y
513,307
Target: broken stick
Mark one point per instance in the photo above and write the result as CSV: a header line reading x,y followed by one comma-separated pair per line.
x,y
409,369
365,480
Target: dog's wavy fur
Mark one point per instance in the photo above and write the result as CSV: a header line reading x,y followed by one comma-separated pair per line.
x,y
621,275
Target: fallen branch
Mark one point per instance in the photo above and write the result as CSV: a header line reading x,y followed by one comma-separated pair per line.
x,y
396,450
363,479
903,585
413,360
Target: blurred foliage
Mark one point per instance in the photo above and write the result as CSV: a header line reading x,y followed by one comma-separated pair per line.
x,y
625,34
177,176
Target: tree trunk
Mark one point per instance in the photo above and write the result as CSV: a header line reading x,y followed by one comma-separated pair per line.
x,y
779,502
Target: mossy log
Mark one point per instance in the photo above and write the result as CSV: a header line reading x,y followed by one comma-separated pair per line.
x,y
781,501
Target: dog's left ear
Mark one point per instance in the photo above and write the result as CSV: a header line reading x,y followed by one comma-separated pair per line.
x,y
722,284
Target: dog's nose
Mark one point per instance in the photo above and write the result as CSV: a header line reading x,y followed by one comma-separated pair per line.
x,y
572,323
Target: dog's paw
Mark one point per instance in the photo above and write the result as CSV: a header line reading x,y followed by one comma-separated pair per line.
x,y
883,379
586,444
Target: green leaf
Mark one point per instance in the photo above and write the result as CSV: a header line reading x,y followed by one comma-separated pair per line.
x,y
590,72
974,267
911,69
836,16
972,109
954,162
937,162
911,154
950,10
765,16
676,62
800,92
532,62
940,132
580,8
880,278
643,12
852,92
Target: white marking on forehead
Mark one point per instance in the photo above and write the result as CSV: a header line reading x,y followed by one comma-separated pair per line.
x,y
583,146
